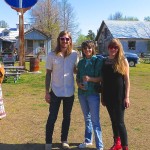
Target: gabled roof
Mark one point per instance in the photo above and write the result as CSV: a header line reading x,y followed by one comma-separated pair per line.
x,y
34,29
3,29
127,29
14,34
11,37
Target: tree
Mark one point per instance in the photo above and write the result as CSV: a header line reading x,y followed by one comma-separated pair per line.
x,y
51,17
91,35
130,18
3,24
81,38
147,18
67,18
46,18
119,16
116,16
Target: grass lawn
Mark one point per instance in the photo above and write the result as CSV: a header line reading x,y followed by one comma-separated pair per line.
x,y
24,126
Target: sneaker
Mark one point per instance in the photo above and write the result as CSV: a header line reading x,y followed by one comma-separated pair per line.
x,y
84,145
48,146
65,145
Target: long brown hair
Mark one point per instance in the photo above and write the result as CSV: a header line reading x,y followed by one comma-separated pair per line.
x,y
119,64
70,46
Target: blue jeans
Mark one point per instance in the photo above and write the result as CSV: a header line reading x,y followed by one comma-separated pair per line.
x,y
53,113
90,106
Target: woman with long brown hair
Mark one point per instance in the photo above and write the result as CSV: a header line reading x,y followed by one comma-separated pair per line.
x,y
115,95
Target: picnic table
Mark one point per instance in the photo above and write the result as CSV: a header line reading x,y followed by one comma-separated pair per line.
x,y
14,71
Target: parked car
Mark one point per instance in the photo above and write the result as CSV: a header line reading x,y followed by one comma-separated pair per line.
x,y
8,58
132,58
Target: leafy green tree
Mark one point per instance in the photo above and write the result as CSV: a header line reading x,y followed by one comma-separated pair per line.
x,y
53,16
91,35
81,38
130,18
46,18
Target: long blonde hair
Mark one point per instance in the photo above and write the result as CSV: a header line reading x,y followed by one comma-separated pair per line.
x,y
119,60
70,46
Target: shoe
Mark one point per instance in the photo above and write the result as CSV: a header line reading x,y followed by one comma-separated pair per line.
x,y
84,145
125,147
117,144
100,149
48,146
65,145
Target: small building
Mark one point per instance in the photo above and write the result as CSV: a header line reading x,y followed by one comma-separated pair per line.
x,y
35,40
134,35
7,38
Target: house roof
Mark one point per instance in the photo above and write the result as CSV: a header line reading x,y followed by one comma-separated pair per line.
x,y
3,30
127,29
34,29
11,37
14,34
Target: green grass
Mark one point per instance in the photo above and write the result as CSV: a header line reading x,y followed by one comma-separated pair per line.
x,y
27,113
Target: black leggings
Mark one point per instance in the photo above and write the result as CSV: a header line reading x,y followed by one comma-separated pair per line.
x,y
116,113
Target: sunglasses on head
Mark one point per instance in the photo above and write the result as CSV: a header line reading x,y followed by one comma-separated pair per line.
x,y
113,47
64,38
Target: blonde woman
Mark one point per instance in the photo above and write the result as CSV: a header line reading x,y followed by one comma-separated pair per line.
x,y
116,86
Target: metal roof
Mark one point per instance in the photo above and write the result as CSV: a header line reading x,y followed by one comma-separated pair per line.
x,y
129,29
126,29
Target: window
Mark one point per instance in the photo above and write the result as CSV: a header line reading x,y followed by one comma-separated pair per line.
x,y
29,46
41,43
131,45
5,33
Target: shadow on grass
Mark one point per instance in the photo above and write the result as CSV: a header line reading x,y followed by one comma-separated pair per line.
x,y
30,146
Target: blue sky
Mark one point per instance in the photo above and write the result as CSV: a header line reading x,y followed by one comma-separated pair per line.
x,y
89,13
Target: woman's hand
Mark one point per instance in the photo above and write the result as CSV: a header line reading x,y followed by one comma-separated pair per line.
x,y
126,102
86,78
81,86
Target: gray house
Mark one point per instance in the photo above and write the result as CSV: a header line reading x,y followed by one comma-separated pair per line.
x,y
35,40
134,35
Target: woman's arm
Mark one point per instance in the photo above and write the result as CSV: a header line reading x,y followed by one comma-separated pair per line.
x,y
92,79
127,85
